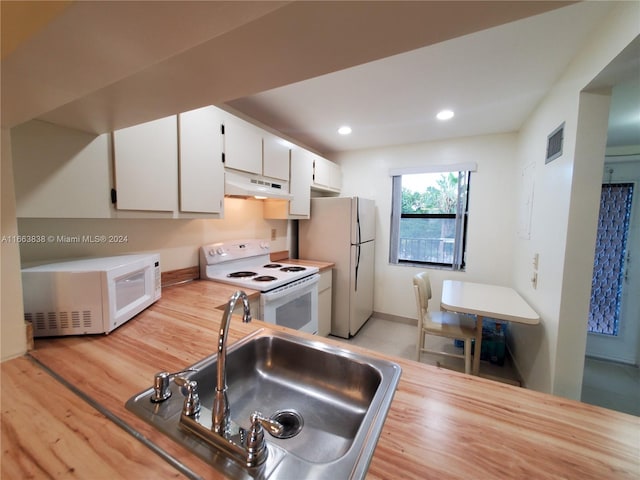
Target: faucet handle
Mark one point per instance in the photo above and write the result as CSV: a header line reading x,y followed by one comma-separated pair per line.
x,y
274,427
161,380
192,399
256,446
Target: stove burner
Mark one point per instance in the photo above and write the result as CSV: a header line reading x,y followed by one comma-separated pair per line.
x,y
292,269
272,265
241,274
265,278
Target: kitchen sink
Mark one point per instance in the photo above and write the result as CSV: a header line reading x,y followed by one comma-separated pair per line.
x,y
331,402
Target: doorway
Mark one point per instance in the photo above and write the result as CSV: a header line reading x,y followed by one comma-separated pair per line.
x,y
615,383
614,318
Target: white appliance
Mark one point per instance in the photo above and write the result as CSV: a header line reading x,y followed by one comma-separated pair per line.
x,y
342,230
242,184
288,293
94,295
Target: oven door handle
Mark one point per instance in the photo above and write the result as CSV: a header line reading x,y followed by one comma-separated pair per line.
x,y
292,287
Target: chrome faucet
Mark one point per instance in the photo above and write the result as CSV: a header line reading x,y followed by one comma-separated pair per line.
x,y
220,411
248,446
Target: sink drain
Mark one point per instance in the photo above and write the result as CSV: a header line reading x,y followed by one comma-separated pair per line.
x,y
291,422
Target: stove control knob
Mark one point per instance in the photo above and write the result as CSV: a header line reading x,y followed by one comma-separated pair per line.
x,y
264,245
220,251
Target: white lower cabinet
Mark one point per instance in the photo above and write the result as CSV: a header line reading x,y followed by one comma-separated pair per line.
x,y
324,302
254,306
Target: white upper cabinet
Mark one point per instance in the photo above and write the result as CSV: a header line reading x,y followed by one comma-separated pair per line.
x,y
300,186
160,173
326,175
275,163
201,167
60,172
146,166
242,143
251,149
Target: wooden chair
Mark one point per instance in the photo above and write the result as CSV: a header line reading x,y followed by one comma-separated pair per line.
x,y
443,324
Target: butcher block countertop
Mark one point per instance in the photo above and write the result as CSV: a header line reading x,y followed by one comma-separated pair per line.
x,y
63,413
310,263
284,258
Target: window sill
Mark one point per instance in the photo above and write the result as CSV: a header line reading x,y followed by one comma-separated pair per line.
x,y
426,266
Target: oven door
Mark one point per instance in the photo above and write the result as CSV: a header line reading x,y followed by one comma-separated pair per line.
x,y
294,305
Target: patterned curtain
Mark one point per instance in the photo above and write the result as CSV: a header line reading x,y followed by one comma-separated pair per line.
x,y
611,250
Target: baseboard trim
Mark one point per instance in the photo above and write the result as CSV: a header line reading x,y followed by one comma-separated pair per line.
x,y
396,318
612,360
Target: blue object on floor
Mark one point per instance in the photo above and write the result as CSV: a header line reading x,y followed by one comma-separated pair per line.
x,y
493,342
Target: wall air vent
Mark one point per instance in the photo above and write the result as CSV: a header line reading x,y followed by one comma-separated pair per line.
x,y
554,144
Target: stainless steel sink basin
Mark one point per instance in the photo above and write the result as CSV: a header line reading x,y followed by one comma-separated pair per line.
x,y
332,403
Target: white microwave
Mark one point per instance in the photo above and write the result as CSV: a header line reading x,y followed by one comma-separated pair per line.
x,y
94,295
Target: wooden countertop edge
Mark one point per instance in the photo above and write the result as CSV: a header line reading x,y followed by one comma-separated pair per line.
x,y
70,438
437,417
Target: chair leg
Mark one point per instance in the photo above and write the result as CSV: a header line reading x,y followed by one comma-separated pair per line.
x,y
467,356
420,343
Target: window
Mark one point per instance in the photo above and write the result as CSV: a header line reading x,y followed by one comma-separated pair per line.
x,y
429,218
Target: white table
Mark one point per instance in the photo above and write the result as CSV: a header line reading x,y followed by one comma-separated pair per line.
x,y
483,300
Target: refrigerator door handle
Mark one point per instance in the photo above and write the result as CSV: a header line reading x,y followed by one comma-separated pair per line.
x,y
357,264
359,237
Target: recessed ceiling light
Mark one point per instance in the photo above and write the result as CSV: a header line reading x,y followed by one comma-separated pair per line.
x,y
444,115
344,130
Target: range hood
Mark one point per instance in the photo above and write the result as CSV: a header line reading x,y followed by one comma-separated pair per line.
x,y
241,184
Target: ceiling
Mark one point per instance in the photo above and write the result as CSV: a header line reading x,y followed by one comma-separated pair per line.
x,y
622,75
624,115
492,79
302,68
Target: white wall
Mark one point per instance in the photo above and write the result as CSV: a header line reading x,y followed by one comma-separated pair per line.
x,y
563,220
566,193
177,241
12,327
491,212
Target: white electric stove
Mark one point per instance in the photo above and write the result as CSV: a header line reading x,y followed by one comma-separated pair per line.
x,y
289,293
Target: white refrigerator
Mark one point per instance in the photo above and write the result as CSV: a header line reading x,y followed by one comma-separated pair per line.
x,y
342,230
